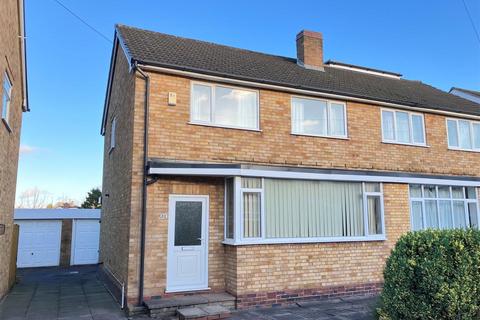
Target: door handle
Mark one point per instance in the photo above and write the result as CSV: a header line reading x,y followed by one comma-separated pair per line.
x,y
201,239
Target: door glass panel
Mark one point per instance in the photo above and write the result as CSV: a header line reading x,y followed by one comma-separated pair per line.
x,y
188,223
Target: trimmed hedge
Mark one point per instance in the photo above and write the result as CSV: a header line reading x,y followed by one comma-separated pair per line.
x,y
433,274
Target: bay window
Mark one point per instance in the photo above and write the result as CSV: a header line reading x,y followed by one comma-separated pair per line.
x,y
318,117
403,127
463,134
443,207
224,106
281,210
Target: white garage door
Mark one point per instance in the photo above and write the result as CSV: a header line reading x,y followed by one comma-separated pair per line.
x,y
86,235
39,243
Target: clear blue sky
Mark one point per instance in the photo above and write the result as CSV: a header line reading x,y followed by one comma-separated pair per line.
x,y
62,150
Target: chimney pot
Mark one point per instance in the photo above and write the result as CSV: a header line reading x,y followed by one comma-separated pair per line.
x,y
310,49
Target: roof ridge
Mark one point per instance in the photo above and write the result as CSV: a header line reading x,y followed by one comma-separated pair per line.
x,y
205,42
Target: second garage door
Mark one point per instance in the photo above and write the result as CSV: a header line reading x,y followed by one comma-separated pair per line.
x,y
39,243
85,241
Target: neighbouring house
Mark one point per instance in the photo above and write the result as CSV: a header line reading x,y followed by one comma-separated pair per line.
x,y
466,94
13,102
57,237
271,178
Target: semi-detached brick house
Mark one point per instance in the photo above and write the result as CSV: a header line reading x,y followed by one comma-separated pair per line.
x,y
13,102
272,178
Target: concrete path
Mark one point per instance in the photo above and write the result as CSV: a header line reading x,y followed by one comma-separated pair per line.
x,y
56,293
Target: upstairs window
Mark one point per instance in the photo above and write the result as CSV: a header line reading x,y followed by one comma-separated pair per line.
x,y
317,117
113,134
6,98
463,134
224,106
403,127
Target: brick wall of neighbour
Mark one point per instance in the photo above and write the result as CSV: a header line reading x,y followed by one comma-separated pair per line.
x,y
280,273
10,61
66,242
172,137
117,175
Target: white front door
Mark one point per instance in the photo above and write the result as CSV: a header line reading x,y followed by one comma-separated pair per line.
x,y
187,260
39,243
85,241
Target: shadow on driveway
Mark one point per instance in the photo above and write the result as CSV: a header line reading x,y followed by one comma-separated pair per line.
x,y
59,293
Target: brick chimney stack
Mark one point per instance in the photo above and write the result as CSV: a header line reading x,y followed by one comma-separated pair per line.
x,y
310,49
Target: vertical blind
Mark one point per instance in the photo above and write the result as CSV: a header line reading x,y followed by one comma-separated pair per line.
x,y
297,208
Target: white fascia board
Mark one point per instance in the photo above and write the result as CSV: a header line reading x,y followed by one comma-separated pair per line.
x,y
310,176
56,214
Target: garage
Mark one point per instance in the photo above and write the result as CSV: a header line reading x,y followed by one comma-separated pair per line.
x,y
39,243
57,237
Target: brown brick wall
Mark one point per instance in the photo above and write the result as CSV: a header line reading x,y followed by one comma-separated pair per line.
x,y
117,175
66,242
10,60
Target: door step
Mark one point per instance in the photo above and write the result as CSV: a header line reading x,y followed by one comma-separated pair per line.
x,y
170,306
203,313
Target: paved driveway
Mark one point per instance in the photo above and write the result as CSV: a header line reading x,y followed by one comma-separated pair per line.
x,y
57,293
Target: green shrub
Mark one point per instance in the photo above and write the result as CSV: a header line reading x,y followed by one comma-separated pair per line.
x,y
433,274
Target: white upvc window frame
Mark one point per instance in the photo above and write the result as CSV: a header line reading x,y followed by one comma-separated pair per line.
x,y
438,199
239,239
113,134
410,128
472,137
211,122
5,109
328,125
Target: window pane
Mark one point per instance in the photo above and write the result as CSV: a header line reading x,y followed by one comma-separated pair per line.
x,y
374,215
471,193
452,133
251,215
337,119
429,191
252,183
472,214
403,127
465,137
201,103
476,135
188,223
388,127
445,213
229,206
234,107
459,214
443,192
457,192
431,217
309,116
415,191
417,219
372,187
417,127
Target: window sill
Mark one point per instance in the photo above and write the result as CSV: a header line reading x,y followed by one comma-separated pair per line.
x,y
464,150
223,127
319,136
244,242
407,144
7,125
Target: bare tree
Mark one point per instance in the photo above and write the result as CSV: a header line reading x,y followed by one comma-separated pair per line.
x,y
33,198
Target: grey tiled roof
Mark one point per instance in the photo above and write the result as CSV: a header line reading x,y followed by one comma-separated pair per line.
x,y
169,51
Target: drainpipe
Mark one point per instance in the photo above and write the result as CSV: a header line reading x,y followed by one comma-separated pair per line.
x,y
144,186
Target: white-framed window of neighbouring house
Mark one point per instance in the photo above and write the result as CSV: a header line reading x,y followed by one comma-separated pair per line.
x,y
443,207
224,106
403,127
6,98
318,117
463,134
113,134
267,210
